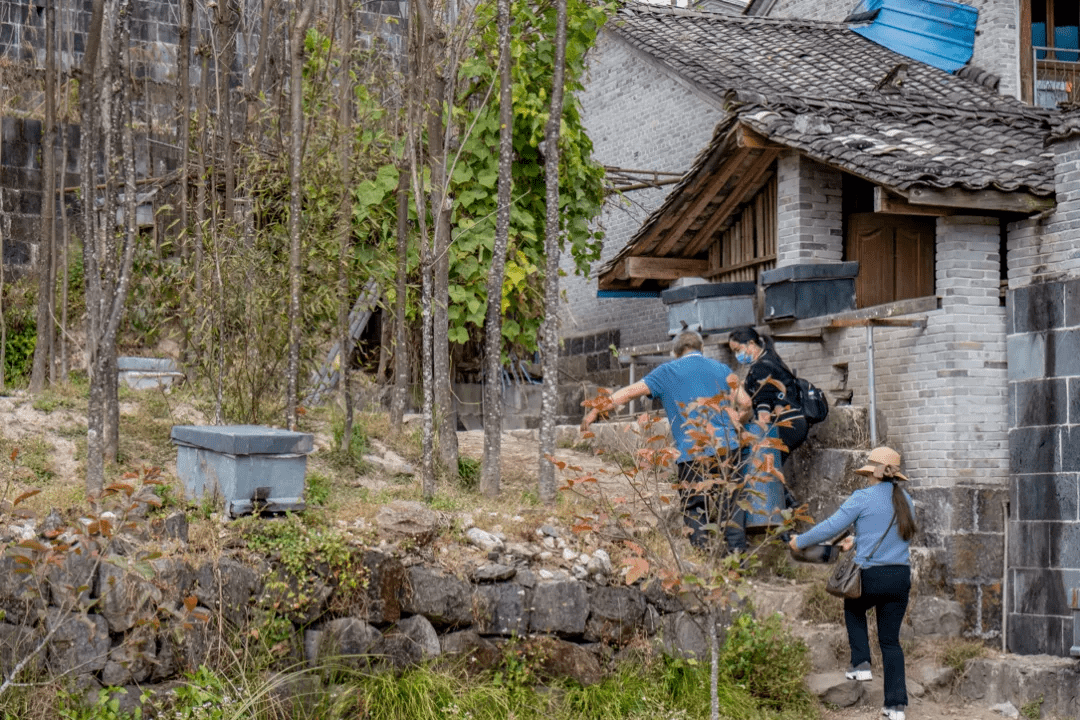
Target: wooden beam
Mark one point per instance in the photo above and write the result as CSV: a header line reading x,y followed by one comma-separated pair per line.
x,y
886,202
716,183
734,199
657,268
1027,57
750,138
982,200
878,322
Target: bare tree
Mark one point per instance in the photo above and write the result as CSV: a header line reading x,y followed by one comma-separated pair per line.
x,y
550,330
345,93
296,129
401,341
493,402
43,349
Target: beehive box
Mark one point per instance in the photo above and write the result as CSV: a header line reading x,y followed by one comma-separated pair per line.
x,y
710,308
249,467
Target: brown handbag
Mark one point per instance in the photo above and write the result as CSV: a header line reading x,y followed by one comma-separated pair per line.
x,y
846,578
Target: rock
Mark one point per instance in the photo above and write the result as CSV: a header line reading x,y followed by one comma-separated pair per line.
x,y
172,527
301,599
545,574
579,572
79,643
385,587
388,461
683,634
476,653
599,563
18,642
936,617
549,531
562,659
569,555
493,572
549,543
501,609
227,586
915,688
525,551
833,688
1006,709
408,519
183,644
484,540
126,597
293,694
53,522
130,661
349,639
443,599
822,641
420,631
560,607
615,614
933,675
65,580
21,598
174,575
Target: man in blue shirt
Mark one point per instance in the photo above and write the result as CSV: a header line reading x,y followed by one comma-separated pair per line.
x,y
690,377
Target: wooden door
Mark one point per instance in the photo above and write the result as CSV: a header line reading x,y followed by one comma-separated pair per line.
x,y
895,255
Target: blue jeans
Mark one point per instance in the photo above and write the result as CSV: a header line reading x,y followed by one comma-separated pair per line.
x,y
885,588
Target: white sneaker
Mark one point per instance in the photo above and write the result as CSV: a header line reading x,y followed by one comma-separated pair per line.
x,y
893,713
861,673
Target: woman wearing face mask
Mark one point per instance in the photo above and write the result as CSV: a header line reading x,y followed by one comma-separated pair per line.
x,y
774,407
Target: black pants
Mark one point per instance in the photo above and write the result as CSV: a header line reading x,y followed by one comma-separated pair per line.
x,y
710,505
886,588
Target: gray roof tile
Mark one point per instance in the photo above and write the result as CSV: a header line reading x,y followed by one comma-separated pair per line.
x,y
811,86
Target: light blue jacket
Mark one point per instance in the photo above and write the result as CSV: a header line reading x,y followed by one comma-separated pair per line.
x,y
870,509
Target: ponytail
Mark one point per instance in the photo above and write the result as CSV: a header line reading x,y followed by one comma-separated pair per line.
x,y
905,521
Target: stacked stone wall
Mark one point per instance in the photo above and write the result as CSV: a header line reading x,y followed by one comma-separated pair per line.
x,y
641,117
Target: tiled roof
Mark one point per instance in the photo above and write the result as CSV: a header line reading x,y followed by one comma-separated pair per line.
x,y
822,89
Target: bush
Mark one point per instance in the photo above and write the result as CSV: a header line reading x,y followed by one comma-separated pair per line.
x,y
764,659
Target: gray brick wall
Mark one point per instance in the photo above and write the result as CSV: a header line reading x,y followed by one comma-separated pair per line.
x,y
1044,436
810,220
941,392
639,117
996,42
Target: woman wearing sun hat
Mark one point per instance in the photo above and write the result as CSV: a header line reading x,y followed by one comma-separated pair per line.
x,y
884,521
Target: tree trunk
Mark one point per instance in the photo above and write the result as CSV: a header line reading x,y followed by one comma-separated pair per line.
x,y
225,33
183,124
43,349
89,122
493,402
200,334
401,341
414,131
296,128
440,213
345,217
550,329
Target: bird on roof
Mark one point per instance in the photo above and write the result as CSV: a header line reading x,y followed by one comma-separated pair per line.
x,y
893,79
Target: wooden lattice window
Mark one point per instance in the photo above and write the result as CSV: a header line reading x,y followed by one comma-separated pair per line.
x,y
749,245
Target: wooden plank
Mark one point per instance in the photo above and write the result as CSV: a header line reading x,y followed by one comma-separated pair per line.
x,y
656,268
985,200
751,263
1027,59
886,202
710,190
877,322
750,177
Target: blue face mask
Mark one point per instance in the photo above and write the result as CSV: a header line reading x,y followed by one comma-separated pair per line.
x,y
744,357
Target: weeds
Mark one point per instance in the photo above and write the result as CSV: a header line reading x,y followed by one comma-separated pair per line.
x,y
764,659
1032,710
957,654
819,606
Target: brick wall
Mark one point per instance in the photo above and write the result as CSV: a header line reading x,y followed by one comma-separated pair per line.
x,y
639,117
996,43
1044,436
809,213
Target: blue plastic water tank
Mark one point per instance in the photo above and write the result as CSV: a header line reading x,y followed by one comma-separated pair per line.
x,y
936,32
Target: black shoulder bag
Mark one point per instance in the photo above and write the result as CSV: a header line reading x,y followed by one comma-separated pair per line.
x,y
846,578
